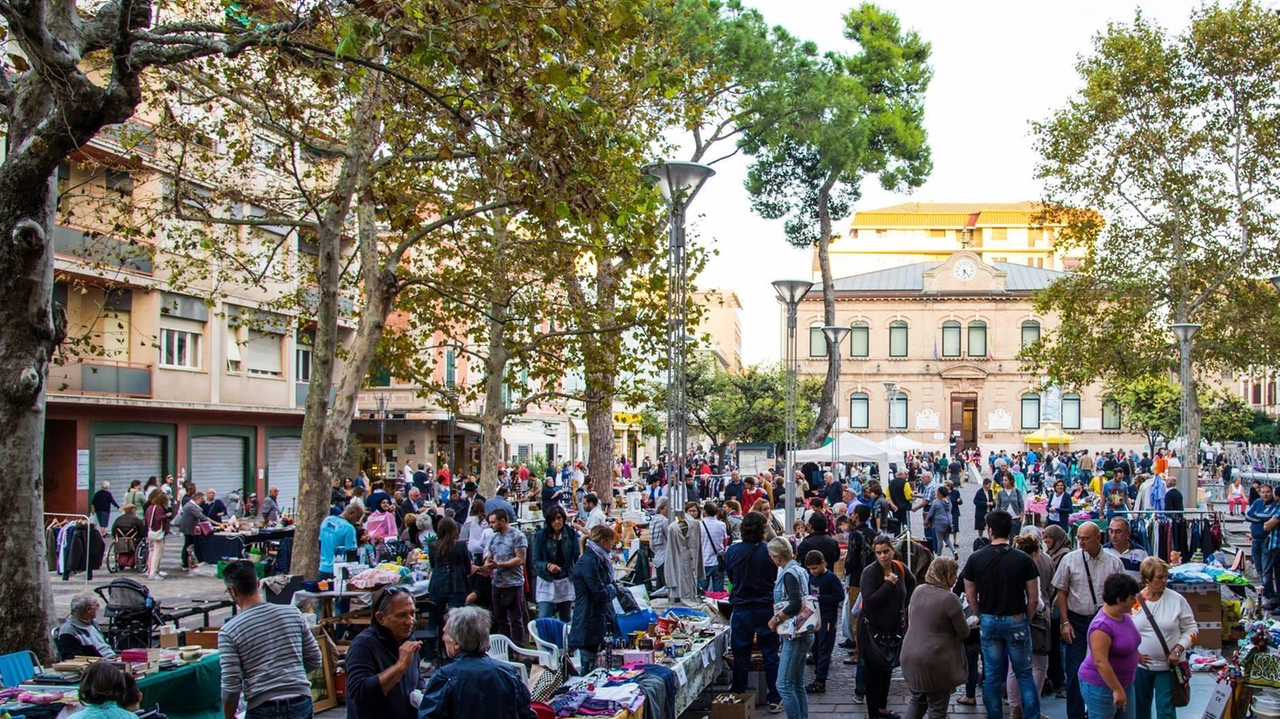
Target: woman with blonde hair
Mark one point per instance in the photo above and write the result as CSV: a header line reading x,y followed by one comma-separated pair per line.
x,y
1167,626
593,590
933,659
774,527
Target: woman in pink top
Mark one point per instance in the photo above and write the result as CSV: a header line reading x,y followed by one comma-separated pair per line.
x,y
1106,676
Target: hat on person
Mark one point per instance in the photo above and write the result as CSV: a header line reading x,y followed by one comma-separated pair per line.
x,y
469,487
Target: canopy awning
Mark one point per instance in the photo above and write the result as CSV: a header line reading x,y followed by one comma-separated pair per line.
x,y
471,427
579,425
900,443
850,448
1049,434
521,435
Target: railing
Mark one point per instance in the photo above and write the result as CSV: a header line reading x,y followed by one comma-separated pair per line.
x,y
96,376
100,248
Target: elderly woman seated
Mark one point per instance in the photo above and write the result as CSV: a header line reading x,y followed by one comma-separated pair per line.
x,y
79,636
473,685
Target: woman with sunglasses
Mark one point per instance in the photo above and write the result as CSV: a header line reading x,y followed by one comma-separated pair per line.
x,y
382,662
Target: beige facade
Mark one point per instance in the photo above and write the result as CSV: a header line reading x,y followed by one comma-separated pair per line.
x,y
946,334
722,323
931,231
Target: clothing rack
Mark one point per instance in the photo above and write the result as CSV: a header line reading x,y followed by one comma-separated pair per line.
x,y
65,518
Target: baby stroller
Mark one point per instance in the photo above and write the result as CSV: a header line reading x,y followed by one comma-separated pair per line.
x,y
127,551
133,616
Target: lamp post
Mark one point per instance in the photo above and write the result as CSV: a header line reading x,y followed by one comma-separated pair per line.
x,y
891,389
1184,331
1275,281
791,292
382,434
679,182
835,337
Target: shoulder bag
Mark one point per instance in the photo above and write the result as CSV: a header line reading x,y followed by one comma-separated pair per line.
x,y
153,535
806,621
1181,674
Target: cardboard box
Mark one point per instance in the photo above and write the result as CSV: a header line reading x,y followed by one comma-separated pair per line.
x,y
1206,605
757,685
169,638
206,637
734,706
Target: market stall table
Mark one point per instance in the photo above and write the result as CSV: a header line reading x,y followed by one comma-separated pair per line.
x,y
233,545
192,607
697,669
189,691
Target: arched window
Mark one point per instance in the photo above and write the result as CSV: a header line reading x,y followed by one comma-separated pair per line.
x,y
859,411
817,341
898,411
897,338
977,338
859,339
1110,414
1031,411
1030,332
951,339
1071,411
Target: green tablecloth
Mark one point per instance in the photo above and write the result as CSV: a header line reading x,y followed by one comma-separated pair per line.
x,y
191,691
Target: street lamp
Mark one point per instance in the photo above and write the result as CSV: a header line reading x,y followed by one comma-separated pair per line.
x,y
791,292
382,434
835,337
679,182
1184,331
891,388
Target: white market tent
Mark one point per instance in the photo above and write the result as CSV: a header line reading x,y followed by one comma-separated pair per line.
x,y
851,448
899,444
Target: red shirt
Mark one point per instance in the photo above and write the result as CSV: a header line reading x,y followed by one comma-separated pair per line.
x,y
523,474
444,476
750,497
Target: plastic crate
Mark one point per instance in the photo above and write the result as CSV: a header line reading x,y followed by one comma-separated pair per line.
x,y
259,567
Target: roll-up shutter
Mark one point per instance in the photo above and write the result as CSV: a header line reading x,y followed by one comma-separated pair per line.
x,y
282,469
217,463
122,458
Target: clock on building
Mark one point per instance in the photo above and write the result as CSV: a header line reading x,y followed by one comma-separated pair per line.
x,y
964,270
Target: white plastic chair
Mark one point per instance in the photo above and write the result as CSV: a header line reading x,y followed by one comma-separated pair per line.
x,y
501,647
555,652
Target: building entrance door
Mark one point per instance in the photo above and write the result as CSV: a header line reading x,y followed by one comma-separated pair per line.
x,y
964,420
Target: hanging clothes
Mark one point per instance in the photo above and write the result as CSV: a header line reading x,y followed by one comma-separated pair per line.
x,y
684,559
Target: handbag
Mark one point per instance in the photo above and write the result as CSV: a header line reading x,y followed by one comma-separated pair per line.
x,y
806,622
1181,674
154,535
204,528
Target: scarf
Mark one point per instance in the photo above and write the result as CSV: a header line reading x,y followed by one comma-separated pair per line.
x,y
90,636
600,552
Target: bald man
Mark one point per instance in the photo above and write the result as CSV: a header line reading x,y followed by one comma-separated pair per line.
x,y
1079,581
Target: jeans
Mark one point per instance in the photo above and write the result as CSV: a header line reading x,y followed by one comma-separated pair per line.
x,y
935,702
942,540
557,610
1153,688
1076,652
510,612
712,579
860,676
791,676
1008,638
746,624
291,708
1038,666
824,642
1264,561
1099,701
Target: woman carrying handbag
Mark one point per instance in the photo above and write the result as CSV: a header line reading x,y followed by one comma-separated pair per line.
x,y
792,620
1167,625
886,586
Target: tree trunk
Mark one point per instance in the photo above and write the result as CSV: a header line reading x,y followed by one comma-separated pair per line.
x,y
29,335
827,405
325,428
601,379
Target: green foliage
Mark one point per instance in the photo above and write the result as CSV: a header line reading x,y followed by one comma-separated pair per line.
x,y
1226,419
1264,428
1166,170
1151,405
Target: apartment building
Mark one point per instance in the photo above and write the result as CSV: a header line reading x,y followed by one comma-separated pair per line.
x,y
722,323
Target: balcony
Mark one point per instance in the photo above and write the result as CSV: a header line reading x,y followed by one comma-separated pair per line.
x,y
101,249
101,377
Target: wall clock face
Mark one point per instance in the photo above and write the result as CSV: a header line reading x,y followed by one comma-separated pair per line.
x,y
964,270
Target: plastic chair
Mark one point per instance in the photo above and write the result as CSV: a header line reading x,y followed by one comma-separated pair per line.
x,y
501,646
551,636
17,668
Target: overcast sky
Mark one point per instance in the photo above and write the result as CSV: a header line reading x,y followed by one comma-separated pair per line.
x,y
997,66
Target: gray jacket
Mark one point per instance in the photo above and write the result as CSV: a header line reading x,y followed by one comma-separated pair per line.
x,y
189,515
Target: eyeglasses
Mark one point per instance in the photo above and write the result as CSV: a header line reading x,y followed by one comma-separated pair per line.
x,y
384,599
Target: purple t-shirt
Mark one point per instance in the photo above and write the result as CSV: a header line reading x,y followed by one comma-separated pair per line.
x,y
1124,649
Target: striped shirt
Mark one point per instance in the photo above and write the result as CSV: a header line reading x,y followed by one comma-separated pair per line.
x,y
266,652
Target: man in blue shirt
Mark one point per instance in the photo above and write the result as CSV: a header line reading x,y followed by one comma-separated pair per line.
x,y
499,500
1260,513
733,490
337,533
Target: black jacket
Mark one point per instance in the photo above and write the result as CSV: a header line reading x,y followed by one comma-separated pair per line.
x,y
564,552
752,573
373,651
824,543
593,593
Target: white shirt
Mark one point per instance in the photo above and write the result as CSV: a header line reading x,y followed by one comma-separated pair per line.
x,y
1176,621
595,518
713,536
1072,578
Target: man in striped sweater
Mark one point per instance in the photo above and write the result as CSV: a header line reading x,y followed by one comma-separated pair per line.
x,y
266,651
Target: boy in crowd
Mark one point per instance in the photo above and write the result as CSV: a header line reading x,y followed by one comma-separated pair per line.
x,y
830,593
